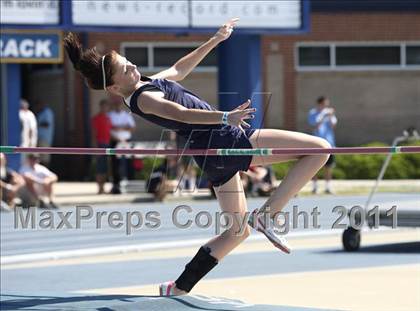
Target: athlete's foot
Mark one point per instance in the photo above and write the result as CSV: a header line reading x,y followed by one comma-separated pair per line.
x,y
170,289
179,292
257,220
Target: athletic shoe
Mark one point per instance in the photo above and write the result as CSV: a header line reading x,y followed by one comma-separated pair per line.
x,y
167,289
256,220
328,191
53,205
42,204
4,207
115,190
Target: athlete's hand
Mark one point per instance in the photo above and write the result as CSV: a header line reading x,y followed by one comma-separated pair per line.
x,y
226,30
237,116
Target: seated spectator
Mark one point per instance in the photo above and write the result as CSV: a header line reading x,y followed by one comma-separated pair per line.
x,y
259,180
39,180
163,179
13,189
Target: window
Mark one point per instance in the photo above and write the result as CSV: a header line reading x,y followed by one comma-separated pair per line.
x,y
357,56
368,55
413,55
161,55
137,55
167,56
314,56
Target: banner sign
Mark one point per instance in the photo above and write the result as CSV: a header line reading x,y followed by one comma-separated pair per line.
x,y
30,12
31,47
252,14
285,14
131,13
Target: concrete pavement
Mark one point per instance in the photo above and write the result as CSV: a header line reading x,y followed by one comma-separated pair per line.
x,y
316,276
71,193
91,268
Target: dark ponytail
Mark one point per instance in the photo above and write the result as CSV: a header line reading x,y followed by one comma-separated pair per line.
x,y
88,62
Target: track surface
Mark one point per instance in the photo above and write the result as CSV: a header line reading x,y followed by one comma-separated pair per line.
x,y
318,275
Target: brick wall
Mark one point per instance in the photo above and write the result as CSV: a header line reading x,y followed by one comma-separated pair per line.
x,y
370,106
202,83
348,27
291,91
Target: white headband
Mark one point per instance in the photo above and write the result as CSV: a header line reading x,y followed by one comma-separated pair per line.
x,y
103,71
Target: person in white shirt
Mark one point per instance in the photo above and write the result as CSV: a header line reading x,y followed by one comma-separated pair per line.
x,y
39,180
29,133
123,125
29,129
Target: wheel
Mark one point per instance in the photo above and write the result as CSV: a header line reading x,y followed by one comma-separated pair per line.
x,y
351,239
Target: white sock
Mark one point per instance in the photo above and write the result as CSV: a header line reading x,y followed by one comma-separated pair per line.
x,y
191,184
327,185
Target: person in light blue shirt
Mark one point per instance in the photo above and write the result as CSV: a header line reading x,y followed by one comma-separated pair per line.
x,y
323,121
45,118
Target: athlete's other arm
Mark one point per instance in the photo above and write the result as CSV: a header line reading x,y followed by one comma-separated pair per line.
x,y
152,103
185,65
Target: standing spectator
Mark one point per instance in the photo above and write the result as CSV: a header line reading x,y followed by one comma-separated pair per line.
x,y
39,180
101,130
186,172
45,118
323,121
187,175
122,127
29,126
29,131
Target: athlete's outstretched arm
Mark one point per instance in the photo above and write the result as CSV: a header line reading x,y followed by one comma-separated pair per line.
x,y
152,103
187,64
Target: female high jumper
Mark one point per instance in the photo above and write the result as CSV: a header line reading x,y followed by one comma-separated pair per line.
x,y
161,100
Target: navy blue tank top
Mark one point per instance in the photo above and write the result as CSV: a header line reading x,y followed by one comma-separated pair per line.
x,y
176,93
218,169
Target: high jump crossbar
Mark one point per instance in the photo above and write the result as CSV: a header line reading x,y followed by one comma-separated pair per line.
x,y
210,152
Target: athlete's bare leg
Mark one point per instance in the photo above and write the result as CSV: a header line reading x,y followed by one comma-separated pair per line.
x,y
232,200
304,169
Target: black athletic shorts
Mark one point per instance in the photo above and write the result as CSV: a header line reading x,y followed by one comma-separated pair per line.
x,y
331,161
